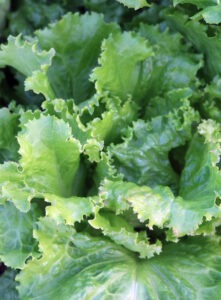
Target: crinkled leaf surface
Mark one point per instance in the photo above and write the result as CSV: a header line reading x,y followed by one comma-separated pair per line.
x,y
28,60
49,155
173,65
199,187
143,157
125,66
122,233
71,67
16,235
23,56
190,269
70,209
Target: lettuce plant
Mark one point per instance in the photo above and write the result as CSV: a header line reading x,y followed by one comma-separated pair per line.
x,y
110,183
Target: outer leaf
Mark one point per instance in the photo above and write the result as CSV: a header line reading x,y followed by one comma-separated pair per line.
x,y
25,58
16,239
136,4
71,66
122,233
125,67
190,269
50,156
8,285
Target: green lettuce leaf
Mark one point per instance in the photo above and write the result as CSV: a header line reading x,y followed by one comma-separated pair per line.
x,y
28,60
8,285
199,187
125,66
195,32
174,66
211,14
49,155
70,209
211,95
198,3
122,233
16,236
136,4
143,156
8,131
71,67
30,15
50,159
190,269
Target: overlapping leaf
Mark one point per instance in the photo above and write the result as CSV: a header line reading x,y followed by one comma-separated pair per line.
x,y
143,156
125,66
71,67
112,272
197,35
122,233
16,235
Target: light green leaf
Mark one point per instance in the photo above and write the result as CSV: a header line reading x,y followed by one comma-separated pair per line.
x,y
49,156
16,238
13,188
27,59
136,4
70,209
211,14
158,206
125,66
8,285
71,67
122,233
76,266
116,117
